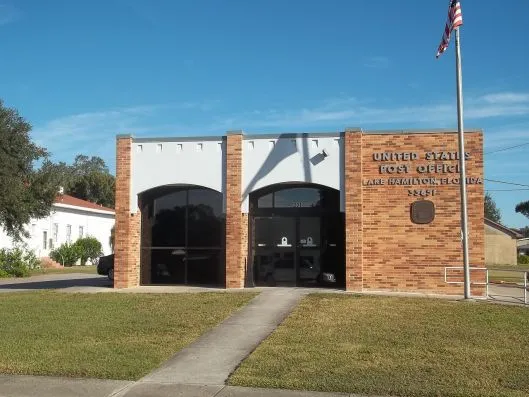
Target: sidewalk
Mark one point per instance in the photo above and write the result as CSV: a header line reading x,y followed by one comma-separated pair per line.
x,y
213,357
44,386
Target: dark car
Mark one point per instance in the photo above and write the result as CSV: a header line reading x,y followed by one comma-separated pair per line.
x,y
105,266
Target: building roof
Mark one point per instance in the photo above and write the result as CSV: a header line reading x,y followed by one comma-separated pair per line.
x,y
502,228
75,202
523,243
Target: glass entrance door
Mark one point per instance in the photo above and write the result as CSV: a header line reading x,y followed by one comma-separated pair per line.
x,y
309,250
275,251
287,251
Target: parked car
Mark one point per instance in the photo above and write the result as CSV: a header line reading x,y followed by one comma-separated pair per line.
x,y
105,266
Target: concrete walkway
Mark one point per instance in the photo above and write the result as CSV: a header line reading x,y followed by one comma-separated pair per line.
x,y
45,386
214,356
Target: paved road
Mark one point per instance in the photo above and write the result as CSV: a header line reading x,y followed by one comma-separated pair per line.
x,y
72,282
508,294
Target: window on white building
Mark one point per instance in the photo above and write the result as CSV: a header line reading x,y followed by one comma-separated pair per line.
x,y
68,234
45,239
56,232
81,231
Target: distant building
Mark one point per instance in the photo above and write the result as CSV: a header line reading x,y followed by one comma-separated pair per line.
x,y
500,244
523,246
69,219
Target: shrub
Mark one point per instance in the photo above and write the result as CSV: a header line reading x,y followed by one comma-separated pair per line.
x,y
523,259
66,254
32,262
17,262
89,249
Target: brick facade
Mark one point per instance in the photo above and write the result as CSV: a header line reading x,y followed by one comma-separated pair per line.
x,y
399,255
236,222
127,229
353,211
384,249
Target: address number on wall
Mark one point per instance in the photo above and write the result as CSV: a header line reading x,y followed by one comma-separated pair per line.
x,y
421,192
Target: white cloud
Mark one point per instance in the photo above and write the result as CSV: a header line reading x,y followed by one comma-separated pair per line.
x,y
506,98
94,133
376,62
86,132
8,14
350,110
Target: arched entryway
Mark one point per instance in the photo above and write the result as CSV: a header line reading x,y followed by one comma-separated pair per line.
x,y
182,236
297,236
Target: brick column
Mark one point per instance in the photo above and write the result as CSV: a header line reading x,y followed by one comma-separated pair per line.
x,y
353,210
235,233
127,229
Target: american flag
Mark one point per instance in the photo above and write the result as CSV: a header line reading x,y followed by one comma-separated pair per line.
x,y
454,20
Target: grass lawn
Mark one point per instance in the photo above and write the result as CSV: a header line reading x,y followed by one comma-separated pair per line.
x,y
115,336
502,273
72,269
395,346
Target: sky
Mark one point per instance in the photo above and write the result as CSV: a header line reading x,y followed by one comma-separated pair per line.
x,y
83,71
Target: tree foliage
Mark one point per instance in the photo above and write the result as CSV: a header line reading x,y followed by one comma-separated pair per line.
x,y
88,178
523,208
524,231
26,191
66,254
89,249
492,212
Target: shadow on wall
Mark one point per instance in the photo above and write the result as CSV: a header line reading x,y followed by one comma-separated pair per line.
x,y
282,149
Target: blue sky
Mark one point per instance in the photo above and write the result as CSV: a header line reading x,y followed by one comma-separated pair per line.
x,y
83,71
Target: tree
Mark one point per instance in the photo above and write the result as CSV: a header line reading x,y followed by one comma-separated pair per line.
x,y
523,208
524,231
492,212
88,178
26,192
112,237
89,249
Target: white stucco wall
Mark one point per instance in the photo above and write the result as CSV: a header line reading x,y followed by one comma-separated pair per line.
x,y
96,224
194,161
268,160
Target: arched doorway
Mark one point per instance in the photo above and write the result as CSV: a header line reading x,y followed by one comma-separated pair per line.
x,y
297,236
182,236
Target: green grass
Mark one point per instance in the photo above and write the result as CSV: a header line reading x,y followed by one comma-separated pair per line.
x,y
395,346
114,336
64,270
498,273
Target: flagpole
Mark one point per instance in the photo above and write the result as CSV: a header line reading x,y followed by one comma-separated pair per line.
x,y
462,171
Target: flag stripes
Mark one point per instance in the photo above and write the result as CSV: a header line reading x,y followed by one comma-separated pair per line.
x,y
454,20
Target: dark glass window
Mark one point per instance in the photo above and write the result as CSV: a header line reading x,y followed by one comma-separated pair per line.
x,y
169,213
297,197
182,235
266,201
204,218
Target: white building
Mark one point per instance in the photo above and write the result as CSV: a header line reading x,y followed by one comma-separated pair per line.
x,y
69,219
